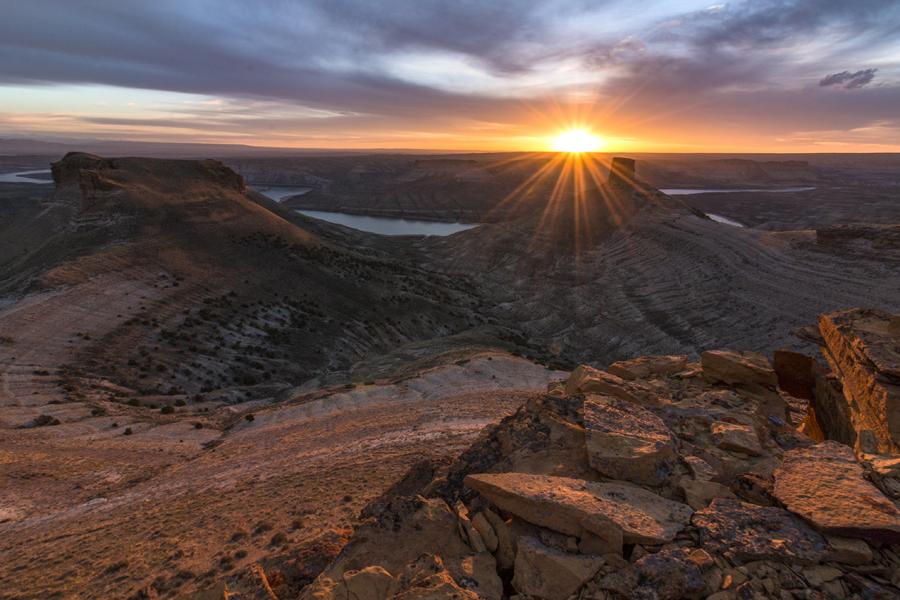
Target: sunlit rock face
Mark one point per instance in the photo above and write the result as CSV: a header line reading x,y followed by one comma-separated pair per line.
x,y
861,349
781,514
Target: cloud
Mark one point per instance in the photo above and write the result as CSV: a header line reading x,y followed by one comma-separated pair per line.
x,y
848,80
391,64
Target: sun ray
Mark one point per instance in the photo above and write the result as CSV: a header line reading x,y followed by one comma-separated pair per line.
x,y
520,193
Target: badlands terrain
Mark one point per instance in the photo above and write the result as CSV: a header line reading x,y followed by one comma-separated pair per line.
x,y
205,393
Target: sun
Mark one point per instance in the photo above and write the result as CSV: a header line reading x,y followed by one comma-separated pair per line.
x,y
576,141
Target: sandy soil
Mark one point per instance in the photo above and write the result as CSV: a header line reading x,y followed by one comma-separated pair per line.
x,y
90,513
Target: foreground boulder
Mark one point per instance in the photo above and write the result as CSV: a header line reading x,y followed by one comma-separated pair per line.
x,y
738,368
825,485
587,380
747,533
573,506
628,442
552,574
736,437
426,578
669,574
861,347
647,367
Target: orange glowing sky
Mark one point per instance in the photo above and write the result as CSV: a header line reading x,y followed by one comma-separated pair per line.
x,y
683,76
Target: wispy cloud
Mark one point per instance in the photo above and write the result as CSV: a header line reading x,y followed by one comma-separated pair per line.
x,y
848,80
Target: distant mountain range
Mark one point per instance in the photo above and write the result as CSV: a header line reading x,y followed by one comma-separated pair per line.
x,y
26,146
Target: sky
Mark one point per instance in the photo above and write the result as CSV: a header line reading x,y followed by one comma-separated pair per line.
x,y
650,75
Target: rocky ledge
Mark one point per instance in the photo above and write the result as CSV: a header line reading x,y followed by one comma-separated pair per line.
x,y
658,478
861,347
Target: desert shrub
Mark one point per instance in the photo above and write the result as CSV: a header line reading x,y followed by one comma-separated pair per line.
x,y
116,566
127,431
237,536
45,421
167,409
262,527
249,417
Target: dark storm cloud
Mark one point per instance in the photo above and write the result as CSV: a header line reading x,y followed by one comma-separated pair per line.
x,y
848,80
322,53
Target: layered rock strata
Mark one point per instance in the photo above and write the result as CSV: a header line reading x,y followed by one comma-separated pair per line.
x,y
706,491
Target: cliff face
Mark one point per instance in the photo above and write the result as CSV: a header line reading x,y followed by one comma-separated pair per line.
x,y
83,168
658,478
861,347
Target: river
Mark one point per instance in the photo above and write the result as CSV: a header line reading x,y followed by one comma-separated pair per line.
x,y
691,191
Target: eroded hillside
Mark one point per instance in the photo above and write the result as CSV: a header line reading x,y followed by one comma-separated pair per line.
x,y
202,388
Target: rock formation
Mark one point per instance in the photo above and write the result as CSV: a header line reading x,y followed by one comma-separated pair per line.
x,y
162,374
706,491
621,172
861,349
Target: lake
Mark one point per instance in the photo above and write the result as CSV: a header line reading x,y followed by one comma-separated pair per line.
x,y
380,225
385,226
687,191
23,177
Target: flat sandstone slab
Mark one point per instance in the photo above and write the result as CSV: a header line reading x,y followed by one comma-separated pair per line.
x,y
738,368
573,506
648,367
626,441
824,484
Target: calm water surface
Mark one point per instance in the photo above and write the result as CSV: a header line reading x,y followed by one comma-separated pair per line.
x,y
23,177
689,191
385,226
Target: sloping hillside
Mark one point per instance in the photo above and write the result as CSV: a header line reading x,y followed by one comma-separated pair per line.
x,y
159,281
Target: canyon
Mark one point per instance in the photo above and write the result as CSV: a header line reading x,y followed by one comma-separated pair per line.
x,y
208,394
